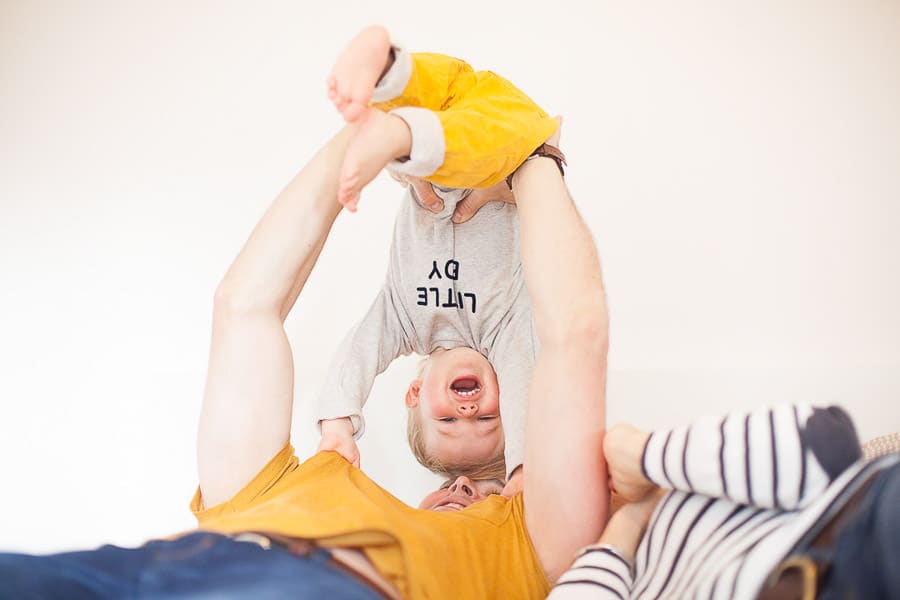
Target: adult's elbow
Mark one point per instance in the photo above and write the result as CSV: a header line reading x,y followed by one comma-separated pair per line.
x,y
591,331
231,301
587,330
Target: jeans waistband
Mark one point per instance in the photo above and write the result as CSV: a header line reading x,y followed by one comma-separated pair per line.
x,y
306,548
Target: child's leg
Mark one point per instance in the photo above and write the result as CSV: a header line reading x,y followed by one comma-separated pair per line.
x,y
414,85
422,80
369,70
366,72
410,86
488,133
467,129
362,63
470,129
379,138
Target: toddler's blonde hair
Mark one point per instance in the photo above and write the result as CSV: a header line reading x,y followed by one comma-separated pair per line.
x,y
493,468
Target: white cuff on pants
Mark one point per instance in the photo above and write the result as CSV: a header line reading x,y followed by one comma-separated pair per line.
x,y
428,146
396,79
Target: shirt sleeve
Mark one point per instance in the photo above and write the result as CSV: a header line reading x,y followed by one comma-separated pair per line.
x,y
512,355
776,458
598,573
365,352
268,477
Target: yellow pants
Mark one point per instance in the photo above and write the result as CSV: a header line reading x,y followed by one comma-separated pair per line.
x,y
490,126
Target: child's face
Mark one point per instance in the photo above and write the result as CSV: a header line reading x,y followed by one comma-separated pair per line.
x,y
458,400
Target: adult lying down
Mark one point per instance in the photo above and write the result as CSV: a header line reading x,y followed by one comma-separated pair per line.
x,y
270,527
773,504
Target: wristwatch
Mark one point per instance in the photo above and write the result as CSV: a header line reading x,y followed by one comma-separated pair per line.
x,y
543,150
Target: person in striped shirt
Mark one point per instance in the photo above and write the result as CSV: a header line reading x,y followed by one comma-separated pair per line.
x,y
755,503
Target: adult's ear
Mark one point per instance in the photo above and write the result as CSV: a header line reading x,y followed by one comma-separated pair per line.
x,y
412,394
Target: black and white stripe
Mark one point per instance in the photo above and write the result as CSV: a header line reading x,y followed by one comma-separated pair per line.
x,y
597,573
738,485
748,458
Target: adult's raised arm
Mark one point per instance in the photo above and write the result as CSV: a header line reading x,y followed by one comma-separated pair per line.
x,y
566,493
246,414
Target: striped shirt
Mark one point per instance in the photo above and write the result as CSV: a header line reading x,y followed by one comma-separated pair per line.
x,y
745,490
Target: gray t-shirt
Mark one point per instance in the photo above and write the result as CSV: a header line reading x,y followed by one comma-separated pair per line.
x,y
447,286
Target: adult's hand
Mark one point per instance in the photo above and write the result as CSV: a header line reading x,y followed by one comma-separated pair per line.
x,y
471,204
515,484
423,189
465,208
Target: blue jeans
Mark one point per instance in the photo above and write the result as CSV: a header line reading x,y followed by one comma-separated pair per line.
x,y
865,553
199,565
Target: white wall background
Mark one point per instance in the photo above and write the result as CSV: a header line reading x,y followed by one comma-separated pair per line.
x,y
738,164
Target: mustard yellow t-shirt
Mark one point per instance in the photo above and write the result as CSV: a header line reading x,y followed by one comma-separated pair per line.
x,y
481,552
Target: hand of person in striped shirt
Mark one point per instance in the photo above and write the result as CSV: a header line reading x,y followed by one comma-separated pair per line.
x,y
734,481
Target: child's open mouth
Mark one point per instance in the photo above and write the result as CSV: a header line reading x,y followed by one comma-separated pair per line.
x,y
466,387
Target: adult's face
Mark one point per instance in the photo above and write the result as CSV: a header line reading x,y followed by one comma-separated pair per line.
x,y
459,493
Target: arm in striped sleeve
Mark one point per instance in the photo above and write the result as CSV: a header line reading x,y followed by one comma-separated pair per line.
x,y
598,573
779,457
603,570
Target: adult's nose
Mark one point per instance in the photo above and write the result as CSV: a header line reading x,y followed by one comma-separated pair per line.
x,y
463,486
467,409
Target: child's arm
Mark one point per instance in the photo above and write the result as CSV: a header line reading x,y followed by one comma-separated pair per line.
x,y
365,352
337,435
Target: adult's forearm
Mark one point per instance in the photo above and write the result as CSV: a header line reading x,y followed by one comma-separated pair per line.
x,y
246,414
603,570
279,255
565,476
559,258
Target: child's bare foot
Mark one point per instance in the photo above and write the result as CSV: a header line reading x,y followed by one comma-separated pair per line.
x,y
623,446
357,70
379,138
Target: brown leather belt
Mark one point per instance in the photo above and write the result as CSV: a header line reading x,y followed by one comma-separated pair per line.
x,y
800,576
304,547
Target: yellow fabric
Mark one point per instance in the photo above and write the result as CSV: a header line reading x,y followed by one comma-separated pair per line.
x,y
480,552
490,126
